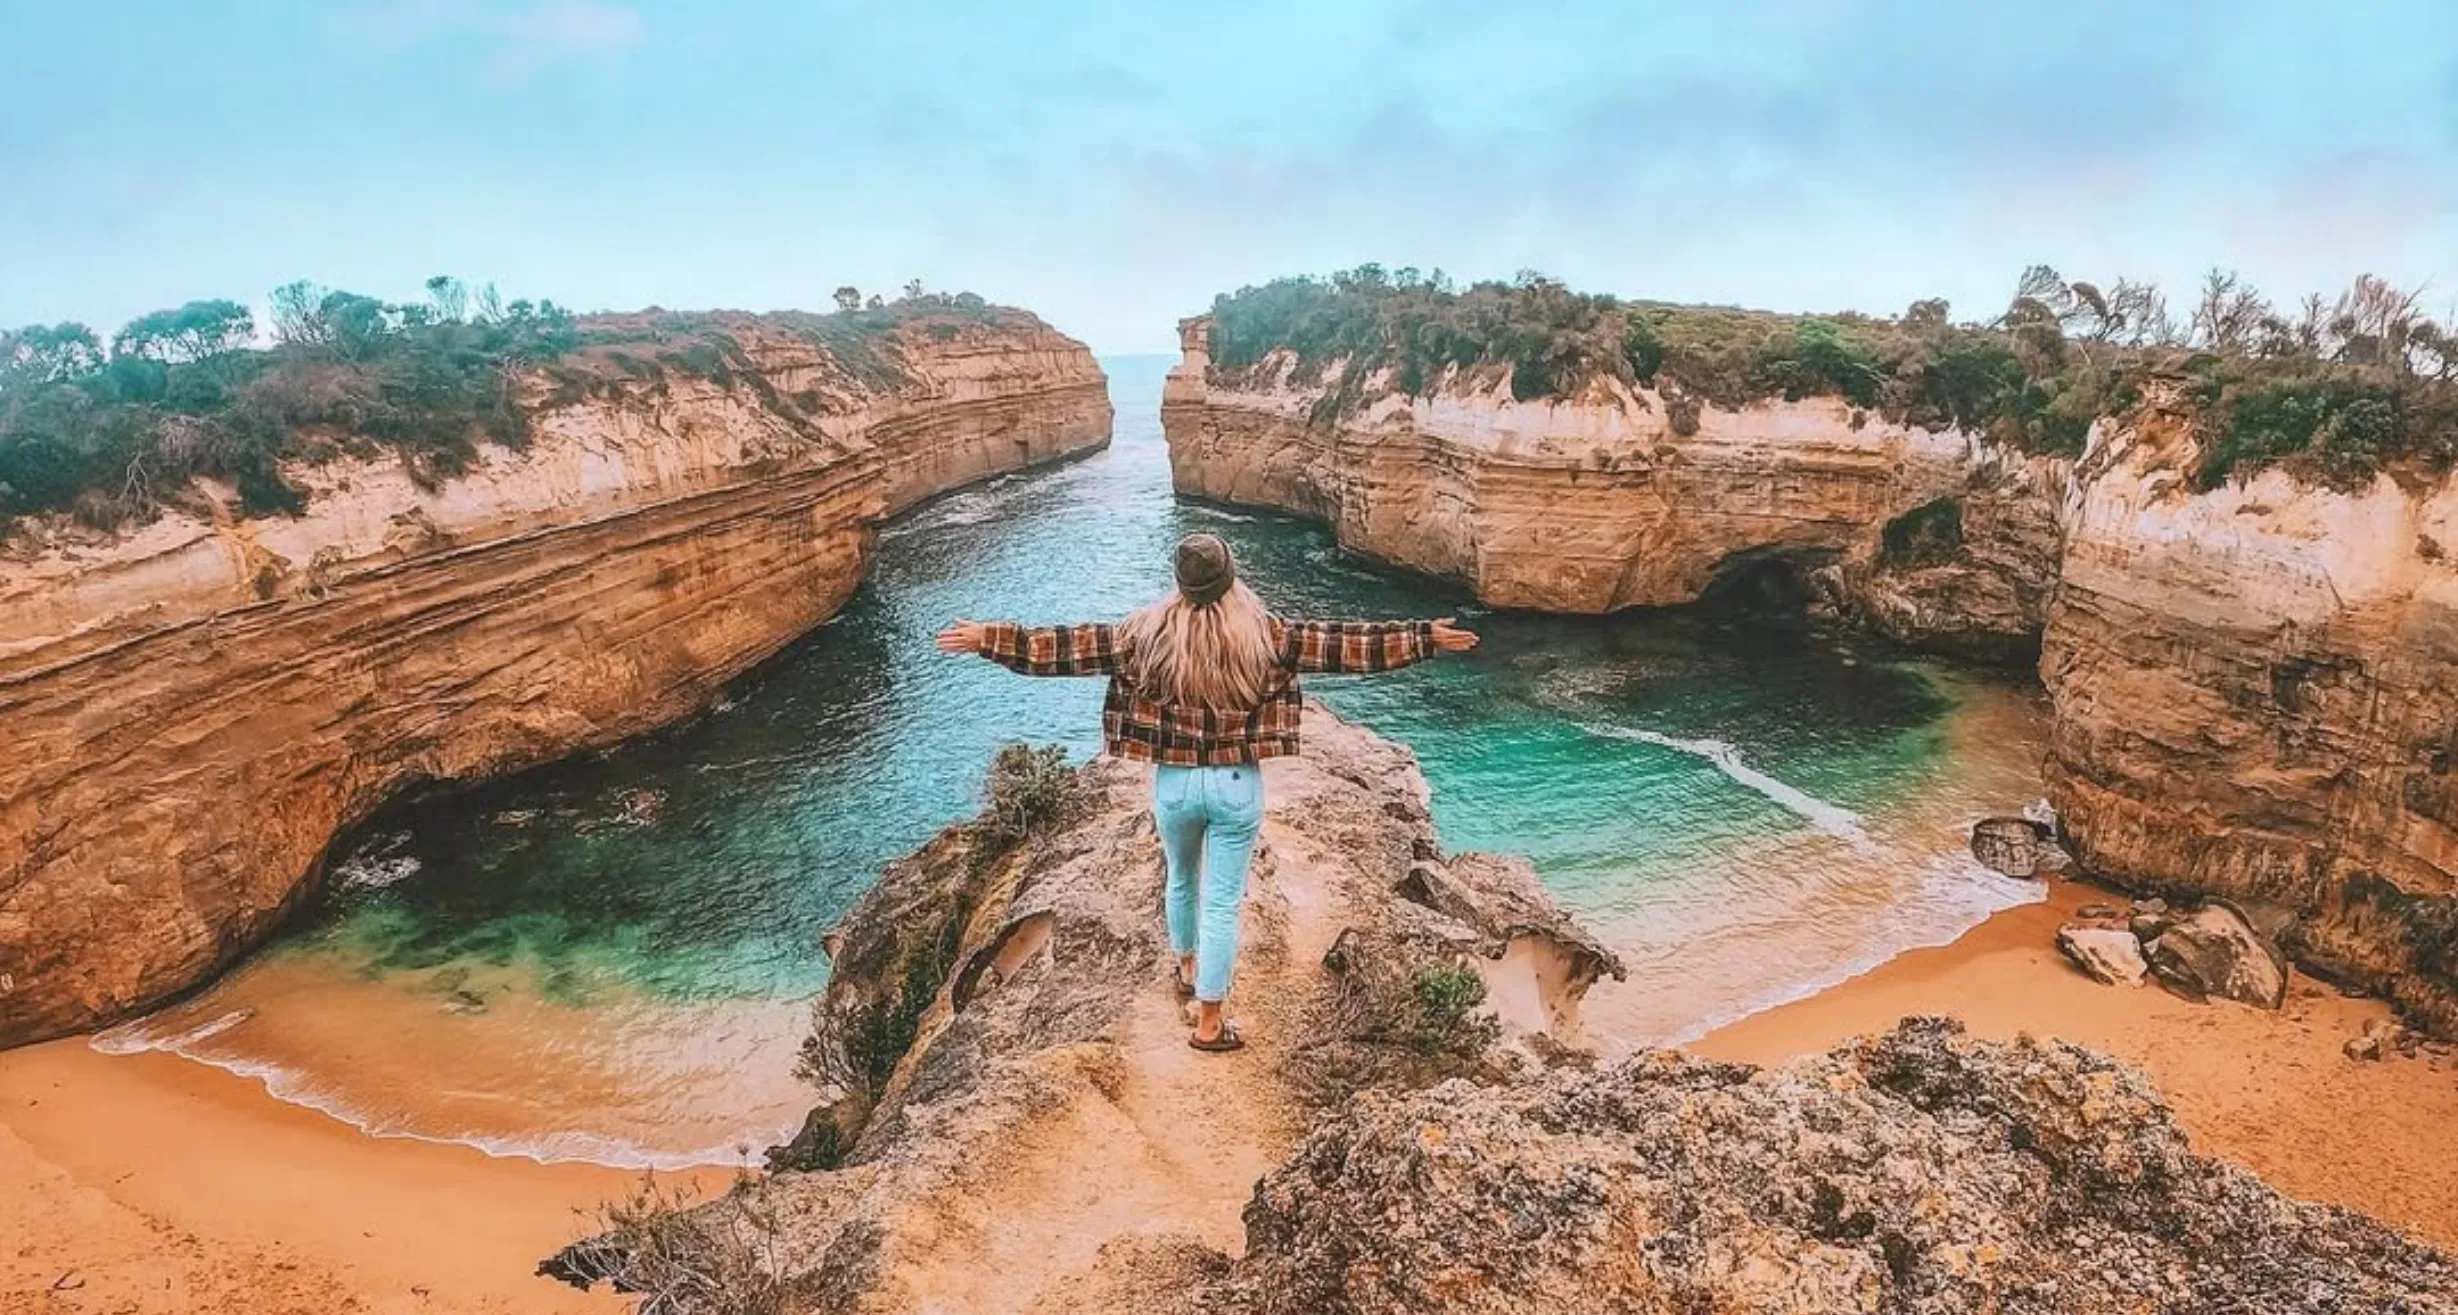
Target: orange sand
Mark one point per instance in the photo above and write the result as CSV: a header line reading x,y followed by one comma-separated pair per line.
x,y
2271,1092
148,1183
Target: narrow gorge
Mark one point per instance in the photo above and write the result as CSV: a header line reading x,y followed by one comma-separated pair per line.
x,y
194,707
2251,678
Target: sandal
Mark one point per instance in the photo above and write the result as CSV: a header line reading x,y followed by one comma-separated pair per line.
x,y
1227,1041
1186,989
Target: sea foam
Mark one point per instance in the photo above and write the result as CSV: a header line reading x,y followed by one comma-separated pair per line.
x,y
144,1036
1834,819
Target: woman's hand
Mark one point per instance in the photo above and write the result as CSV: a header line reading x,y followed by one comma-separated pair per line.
x,y
967,637
1451,639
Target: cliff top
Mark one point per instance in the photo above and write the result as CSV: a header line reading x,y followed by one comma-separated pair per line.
x,y
113,434
1010,1119
2335,390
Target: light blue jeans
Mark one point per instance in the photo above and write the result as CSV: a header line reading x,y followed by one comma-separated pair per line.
x,y
1208,817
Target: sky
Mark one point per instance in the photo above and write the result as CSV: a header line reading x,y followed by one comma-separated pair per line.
x,y
1113,166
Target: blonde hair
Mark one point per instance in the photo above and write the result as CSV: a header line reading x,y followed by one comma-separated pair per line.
x,y
1220,654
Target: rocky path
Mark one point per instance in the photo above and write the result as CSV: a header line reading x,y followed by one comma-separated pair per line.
x,y
1099,1215
1169,1145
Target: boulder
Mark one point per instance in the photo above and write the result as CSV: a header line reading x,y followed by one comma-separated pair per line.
x,y
2014,846
2108,954
2378,1035
2215,950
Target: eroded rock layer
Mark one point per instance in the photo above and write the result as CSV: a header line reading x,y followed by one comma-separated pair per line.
x,y
2256,695
192,710
1618,497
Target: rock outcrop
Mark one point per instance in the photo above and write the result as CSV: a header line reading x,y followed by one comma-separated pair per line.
x,y
1632,497
1011,1118
1013,1122
1918,1171
2256,696
193,709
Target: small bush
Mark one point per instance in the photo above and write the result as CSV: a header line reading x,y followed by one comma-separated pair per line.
x,y
682,1257
1446,1020
1030,789
2341,427
881,1036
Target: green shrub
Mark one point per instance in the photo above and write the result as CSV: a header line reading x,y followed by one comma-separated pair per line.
x,y
115,436
2339,394
2342,427
1447,1021
1030,789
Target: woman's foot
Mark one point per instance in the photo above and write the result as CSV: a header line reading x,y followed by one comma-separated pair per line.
x,y
1186,976
1213,1032
1220,1043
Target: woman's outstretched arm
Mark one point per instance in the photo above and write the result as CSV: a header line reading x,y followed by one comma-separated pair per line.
x,y
1348,648
1084,650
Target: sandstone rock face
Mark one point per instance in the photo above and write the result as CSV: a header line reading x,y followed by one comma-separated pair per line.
x,y
191,711
1918,1172
1603,501
2256,696
1011,1119
1987,597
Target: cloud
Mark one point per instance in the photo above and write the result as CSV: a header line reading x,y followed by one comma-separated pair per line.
x,y
519,39
576,26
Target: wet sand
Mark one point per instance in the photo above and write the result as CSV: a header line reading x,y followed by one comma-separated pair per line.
x,y
2271,1092
149,1183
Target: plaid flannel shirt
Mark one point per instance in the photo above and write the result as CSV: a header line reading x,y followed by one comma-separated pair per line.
x,y
1144,730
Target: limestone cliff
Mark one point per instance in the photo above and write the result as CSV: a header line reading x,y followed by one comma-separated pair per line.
x,y
2256,695
2255,687
1621,497
191,710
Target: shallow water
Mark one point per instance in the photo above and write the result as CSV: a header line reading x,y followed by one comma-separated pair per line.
x,y
607,959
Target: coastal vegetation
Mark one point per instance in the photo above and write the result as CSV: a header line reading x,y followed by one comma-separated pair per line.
x,y
2337,389
113,430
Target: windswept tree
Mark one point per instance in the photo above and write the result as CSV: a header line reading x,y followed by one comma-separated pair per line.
x,y
48,353
186,334
449,297
298,316
2139,315
2229,313
849,298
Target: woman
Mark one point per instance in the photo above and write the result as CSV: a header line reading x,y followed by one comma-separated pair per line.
x,y
1203,683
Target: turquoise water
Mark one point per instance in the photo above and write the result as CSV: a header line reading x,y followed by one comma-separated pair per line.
x,y
677,885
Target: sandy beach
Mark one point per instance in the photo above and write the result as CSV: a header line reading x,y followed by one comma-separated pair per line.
x,y
2271,1092
148,1183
